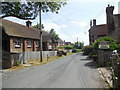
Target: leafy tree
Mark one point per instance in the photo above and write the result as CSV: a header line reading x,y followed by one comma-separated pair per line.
x,y
28,10
54,36
68,47
78,45
38,26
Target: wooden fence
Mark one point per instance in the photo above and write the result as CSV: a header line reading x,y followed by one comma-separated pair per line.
x,y
6,60
104,57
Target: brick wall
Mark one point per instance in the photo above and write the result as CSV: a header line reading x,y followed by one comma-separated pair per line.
x,y
12,46
23,45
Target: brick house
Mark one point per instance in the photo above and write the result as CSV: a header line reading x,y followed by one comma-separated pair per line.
x,y
112,28
113,23
97,31
17,38
23,38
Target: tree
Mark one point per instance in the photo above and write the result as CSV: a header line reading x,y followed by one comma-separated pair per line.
x,y
54,36
38,26
28,10
78,45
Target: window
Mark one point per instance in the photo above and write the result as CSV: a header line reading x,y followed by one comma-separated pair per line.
x,y
37,43
17,42
29,43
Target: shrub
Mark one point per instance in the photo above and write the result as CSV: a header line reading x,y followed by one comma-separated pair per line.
x,y
112,43
87,50
68,47
118,48
74,51
61,47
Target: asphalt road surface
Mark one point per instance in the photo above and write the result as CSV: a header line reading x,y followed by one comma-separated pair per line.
x,y
74,71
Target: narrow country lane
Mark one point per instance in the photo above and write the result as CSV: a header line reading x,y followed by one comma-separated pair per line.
x,y
73,71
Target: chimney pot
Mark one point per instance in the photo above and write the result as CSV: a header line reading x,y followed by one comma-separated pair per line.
x,y
94,22
28,23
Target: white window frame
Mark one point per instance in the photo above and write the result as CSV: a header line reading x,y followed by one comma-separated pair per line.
x,y
37,44
29,43
17,42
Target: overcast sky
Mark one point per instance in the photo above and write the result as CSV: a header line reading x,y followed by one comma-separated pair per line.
x,y
73,20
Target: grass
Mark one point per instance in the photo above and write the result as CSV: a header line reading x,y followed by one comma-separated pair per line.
x,y
37,62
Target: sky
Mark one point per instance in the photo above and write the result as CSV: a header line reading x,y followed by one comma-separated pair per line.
x,y
73,19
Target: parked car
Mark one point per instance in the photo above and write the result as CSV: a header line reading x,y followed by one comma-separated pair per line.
x,y
64,53
60,53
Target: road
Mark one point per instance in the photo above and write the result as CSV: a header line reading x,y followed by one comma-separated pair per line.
x,y
74,71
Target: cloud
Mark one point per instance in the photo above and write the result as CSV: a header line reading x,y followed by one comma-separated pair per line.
x,y
82,37
81,24
88,1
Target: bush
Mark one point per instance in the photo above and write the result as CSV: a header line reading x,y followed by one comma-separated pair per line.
x,y
17,64
61,47
118,48
112,43
87,50
74,51
68,47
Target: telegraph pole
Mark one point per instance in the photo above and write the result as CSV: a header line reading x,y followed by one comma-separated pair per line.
x,y
40,25
77,42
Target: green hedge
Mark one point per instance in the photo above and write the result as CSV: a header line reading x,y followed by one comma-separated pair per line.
x,y
87,50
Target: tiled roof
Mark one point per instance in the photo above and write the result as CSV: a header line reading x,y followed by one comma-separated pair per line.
x,y
99,29
18,30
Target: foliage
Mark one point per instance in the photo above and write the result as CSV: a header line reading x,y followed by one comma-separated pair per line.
x,y
87,50
17,64
28,10
112,43
38,26
54,36
68,47
76,50
61,47
78,45
118,48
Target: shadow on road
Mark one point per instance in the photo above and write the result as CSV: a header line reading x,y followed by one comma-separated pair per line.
x,y
86,59
91,65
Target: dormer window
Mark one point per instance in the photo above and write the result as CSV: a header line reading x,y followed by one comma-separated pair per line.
x,y
17,42
29,43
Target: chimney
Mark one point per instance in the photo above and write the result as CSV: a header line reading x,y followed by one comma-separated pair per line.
x,y
109,18
109,9
28,23
94,22
90,23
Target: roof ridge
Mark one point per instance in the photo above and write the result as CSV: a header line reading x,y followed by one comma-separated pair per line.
x,y
24,25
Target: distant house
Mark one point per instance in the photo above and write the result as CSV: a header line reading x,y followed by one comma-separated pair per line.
x,y
112,28
68,43
56,43
60,42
